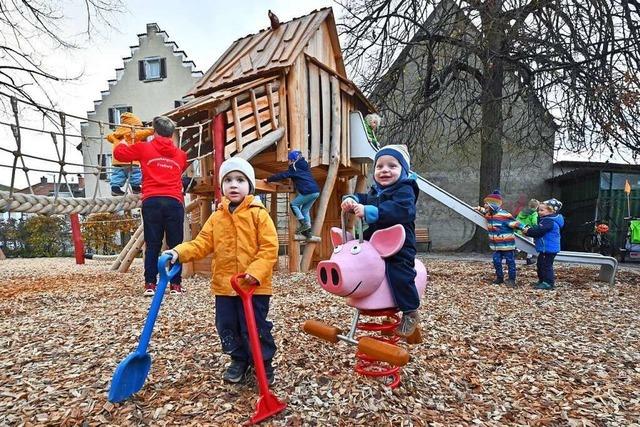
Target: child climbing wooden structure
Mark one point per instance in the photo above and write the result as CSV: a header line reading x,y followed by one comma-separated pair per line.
x,y
283,88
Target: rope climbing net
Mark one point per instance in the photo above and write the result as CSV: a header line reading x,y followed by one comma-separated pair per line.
x,y
57,125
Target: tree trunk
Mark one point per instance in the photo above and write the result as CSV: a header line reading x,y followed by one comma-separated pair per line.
x,y
492,120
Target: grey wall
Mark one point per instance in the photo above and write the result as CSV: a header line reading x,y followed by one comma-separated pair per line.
x,y
148,99
445,142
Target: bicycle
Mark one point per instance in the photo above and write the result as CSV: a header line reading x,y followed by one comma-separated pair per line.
x,y
598,240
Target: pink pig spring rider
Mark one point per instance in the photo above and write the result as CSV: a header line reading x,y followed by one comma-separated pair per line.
x,y
356,271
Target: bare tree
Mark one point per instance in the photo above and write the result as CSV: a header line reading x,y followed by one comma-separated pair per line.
x,y
29,28
474,61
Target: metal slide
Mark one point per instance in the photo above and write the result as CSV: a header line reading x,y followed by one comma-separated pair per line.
x,y
362,149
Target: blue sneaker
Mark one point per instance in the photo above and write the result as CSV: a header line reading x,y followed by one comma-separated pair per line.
x,y
544,286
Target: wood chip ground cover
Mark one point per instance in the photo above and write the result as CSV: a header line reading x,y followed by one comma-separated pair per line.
x,y
490,356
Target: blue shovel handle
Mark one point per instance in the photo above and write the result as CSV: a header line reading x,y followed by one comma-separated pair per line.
x,y
165,276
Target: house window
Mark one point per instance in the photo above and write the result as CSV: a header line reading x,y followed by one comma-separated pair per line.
x,y
150,69
177,104
104,160
116,112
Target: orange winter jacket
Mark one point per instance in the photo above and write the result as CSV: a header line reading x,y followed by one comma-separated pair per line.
x,y
244,241
124,134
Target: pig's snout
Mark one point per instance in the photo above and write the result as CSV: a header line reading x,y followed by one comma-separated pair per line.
x,y
329,273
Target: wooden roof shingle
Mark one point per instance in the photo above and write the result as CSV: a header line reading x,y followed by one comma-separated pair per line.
x,y
264,53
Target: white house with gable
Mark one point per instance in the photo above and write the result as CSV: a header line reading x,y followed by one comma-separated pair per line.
x,y
153,80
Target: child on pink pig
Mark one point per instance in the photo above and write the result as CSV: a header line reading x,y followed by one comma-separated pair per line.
x,y
391,201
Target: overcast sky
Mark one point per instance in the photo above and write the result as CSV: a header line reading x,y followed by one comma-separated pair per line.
x,y
203,29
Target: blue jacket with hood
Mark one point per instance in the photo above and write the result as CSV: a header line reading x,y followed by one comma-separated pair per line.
x,y
301,175
547,233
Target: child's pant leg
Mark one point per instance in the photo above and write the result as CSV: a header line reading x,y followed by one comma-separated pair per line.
x,y
309,200
296,205
510,257
401,275
153,235
135,176
229,320
118,177
539,267
173,224
267,343
497,264
547,267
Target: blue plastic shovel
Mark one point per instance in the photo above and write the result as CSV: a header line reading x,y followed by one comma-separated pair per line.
x,y
131,373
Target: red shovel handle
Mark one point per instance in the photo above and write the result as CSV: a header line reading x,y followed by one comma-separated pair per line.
x,y
242,292
267,404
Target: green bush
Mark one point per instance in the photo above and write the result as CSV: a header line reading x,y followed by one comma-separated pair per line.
x,y
44,236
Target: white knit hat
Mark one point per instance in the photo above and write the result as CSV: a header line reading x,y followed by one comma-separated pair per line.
x,y
236,164
399,151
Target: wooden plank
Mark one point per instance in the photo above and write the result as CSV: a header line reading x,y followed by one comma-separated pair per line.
x,y
348,133
296,104
250,137
292,27
254,107
304,107
283,145
272,111
314,113
332,174
245,109
236,124
325,90
250,122
342,128
245,64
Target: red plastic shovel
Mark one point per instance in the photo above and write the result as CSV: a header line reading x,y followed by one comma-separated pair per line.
x,y
267,404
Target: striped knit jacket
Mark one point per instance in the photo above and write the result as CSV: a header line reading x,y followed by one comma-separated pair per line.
x,y
500,226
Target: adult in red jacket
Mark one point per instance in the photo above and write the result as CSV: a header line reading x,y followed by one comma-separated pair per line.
x,y
162,166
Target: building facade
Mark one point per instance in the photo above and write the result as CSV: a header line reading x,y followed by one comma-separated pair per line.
x,y
153,80
444,134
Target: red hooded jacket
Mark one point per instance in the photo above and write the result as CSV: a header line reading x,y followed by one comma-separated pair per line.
x,y
162,166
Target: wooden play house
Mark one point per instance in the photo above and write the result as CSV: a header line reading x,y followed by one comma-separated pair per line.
x,y
280,89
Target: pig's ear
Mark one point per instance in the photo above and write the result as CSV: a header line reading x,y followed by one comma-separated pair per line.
x,y
336,236
389,240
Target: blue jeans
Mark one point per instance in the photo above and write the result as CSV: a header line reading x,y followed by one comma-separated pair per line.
x,y
509,256
232,327
119,176
301,206
161,216
545,267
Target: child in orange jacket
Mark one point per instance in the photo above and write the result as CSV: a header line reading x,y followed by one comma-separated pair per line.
x,y
243,239
122,170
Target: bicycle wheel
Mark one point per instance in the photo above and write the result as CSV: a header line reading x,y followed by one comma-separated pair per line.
x,y
605,246
589,243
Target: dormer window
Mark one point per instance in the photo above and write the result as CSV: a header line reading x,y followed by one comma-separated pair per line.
x,y
152,68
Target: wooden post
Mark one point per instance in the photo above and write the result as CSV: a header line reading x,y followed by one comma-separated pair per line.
x,y
76,234
217,133
2,255
332,174
127,248
361,186
283,145
132,254
297,104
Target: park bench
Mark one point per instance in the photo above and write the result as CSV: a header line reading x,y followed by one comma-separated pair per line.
x,y
422,238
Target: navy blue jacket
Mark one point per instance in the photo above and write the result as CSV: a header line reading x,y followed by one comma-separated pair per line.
x,y
547,233
301,175
396,205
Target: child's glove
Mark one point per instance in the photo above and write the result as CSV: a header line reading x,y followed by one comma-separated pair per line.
x,y
174,255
